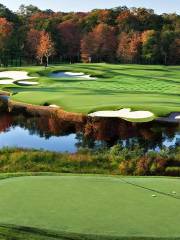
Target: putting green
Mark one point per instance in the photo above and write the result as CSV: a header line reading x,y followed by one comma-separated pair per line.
x,y
93,205
139,87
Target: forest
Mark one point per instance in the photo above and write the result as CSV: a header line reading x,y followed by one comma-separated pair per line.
x,y
118,35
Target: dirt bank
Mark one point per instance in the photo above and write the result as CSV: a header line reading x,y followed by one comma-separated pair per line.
x,y
33,110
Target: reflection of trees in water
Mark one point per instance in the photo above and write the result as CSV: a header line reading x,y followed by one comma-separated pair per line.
x,y
115,131
84,141
5,122
44,126
99,132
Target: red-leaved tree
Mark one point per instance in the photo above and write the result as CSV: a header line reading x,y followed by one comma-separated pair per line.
x,y
32,42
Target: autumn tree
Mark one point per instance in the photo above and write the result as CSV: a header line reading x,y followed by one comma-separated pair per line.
x,y
151,46
103,46
87,48
129,47
45,48
135,47
93,35
5,33
32,42
126,21
123,45
69,40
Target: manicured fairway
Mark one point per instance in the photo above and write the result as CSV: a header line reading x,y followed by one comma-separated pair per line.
x,y
140,87
93,205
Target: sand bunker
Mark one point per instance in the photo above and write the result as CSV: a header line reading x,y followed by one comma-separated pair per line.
x,y
15,76
6,82
71,75
27,83
53,106
173,117
126,114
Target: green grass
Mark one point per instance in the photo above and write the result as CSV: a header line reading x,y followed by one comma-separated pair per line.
x,y
141,87
90,207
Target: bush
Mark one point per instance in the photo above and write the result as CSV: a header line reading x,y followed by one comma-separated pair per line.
x,y
116,160
172,171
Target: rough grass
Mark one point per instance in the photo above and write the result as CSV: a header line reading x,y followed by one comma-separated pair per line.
x,y
155,88
89,207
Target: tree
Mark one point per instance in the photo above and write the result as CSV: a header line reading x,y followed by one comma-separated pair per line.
x,y
123,45
87,48
45,47
5,32
135,47
6,13
147,19
69,38
174,51
28,10
32,42
127,21
129,47
167,38
151,46
94,35
104,43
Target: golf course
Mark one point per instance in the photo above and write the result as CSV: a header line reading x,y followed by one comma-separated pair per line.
x,y
152,88
89,207
89,120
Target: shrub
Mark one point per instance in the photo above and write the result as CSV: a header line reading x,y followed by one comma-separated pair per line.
x,y
172,171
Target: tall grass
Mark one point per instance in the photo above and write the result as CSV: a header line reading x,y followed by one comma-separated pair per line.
x,y
116,160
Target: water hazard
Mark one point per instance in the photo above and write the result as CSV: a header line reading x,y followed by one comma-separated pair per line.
x,y
53,134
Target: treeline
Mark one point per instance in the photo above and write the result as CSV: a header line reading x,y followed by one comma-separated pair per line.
x,y
124,35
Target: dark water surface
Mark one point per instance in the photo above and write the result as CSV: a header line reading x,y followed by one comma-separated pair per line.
x,y
53,134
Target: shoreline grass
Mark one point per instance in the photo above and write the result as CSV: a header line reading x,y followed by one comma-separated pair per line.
x,y
113,161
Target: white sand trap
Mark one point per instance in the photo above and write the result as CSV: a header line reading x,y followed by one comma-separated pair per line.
x,y
6,82
53,106
126,114
71,75
15,76
177,117
74,74
27,83
117,113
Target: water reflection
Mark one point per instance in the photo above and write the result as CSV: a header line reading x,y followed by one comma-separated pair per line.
x,y
51,133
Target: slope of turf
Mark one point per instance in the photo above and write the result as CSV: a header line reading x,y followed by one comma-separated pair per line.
x,y
141,87
90,207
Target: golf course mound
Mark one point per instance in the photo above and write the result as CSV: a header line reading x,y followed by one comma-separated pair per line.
x,y
91,207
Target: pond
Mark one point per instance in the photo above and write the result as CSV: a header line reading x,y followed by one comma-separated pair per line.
x,y
53,134
70,75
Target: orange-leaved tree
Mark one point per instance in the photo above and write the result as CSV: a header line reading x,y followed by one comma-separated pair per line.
x,y
45,48
100,43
